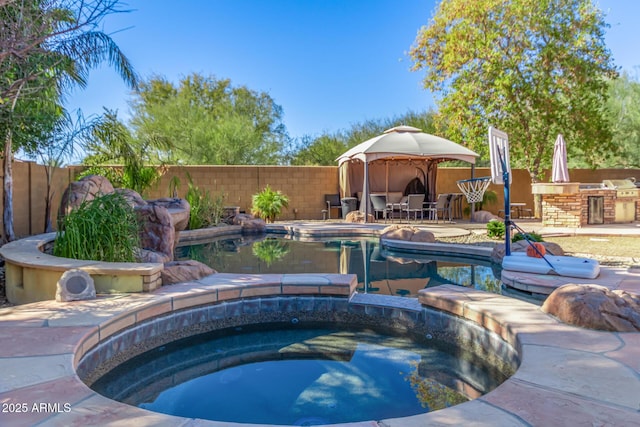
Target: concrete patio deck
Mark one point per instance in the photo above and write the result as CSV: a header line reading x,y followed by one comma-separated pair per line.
x,y
568,376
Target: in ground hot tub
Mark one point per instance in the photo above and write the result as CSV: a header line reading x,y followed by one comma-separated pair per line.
x,y
328,360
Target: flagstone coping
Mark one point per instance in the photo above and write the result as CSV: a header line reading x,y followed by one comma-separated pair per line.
x,y
614,278
567,376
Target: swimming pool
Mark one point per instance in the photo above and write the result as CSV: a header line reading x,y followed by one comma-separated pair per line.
x,y
378,269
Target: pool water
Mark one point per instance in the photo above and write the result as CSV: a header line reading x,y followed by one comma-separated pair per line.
x,y
295,375
378,270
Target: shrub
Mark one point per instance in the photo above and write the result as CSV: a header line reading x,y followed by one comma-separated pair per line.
x,y
532,237
102,229
268,204
495,229
205,210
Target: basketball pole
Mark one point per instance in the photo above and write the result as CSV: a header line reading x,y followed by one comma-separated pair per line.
x,y
507,203
473,205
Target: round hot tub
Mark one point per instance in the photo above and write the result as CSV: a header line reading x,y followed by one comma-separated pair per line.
x,y
300,360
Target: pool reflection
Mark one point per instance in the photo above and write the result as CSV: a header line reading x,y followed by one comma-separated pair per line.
x,y
378,270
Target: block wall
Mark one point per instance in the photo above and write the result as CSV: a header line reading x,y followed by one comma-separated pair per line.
x,y
304,185
29,196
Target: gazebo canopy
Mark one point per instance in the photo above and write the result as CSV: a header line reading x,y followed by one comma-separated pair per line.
x,y
406,142
411,153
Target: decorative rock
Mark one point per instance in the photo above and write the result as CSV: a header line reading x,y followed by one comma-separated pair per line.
x,y
595,307
253,226
239,218
157,232
75,285
484,217
145,255
184,271
424,236
249,224
86,188
178,208
521,246
358,217
135,200
398,232
407,233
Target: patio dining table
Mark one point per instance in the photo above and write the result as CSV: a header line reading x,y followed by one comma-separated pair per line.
x,y
397,208
517,208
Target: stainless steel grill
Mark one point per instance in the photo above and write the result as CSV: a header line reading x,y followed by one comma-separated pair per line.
x,y
626,196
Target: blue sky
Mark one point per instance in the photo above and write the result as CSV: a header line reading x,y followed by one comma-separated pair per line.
x,y
328,63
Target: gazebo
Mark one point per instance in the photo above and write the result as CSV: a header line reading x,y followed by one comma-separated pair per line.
x,y
402,159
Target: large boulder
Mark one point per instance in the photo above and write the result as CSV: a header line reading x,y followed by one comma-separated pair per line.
x,y
86,188
407,233
145,255
484,217
595,307
157,231
521,246
249,224
178,208
134,199
358,217
184,271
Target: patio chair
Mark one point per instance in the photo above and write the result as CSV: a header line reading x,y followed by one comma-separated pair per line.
x,y
456,206
379,202
333,202
443,206
414,204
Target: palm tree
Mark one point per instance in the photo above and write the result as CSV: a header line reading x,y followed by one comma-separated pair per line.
x,y
44,44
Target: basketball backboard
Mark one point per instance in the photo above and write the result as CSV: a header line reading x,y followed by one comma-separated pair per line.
x,y
499,155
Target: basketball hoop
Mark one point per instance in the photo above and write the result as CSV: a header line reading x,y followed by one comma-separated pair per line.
x,y
474,188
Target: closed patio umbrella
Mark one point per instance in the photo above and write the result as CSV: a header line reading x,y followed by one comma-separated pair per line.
x,y
560,170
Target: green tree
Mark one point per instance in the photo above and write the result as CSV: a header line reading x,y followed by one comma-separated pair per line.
x,y
624,111
209,121
324,149
57,147
533,68
110,142
48,45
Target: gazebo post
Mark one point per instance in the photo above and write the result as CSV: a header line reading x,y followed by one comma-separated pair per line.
x,y
473,205
365,191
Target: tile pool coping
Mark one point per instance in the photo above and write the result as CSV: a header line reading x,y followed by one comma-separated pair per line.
x,y
568,375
